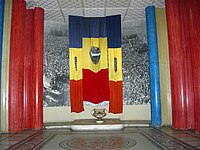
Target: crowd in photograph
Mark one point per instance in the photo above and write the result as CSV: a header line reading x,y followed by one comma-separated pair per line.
x,y
135,70
56,70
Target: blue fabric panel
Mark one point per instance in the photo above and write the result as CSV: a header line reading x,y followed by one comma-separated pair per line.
x,y
83,27
154,67
95,27
151,34
113,24
75,31
155,95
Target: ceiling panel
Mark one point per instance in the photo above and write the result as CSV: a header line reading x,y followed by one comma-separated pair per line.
x,y
94,12
139,4
65,4
94,3
159,3
117,3
72,12
31,4
47,4
59,10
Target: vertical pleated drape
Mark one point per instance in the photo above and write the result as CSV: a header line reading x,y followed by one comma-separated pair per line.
x,y
115,53
25,68
154,67
38,67
16,68
33,69
5,65
164,68
28,69
180,64
193,11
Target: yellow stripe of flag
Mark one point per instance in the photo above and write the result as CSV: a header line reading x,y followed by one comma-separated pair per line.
x,y
112,54
101,43
75,65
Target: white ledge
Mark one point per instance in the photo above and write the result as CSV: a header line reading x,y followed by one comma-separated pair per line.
x,y
96,127
90,124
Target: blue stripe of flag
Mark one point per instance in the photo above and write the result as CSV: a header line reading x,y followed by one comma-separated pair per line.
x,y
94,27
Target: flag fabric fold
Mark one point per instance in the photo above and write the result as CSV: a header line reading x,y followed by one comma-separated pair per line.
x,y
95,61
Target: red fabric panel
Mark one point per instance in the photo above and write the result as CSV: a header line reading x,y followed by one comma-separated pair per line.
x,y
178,112
194,26
16,68
95,86
38,67
28,69
180,65
186,50
116,97
76,96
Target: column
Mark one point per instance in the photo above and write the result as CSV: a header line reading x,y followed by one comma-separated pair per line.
x,y
154,67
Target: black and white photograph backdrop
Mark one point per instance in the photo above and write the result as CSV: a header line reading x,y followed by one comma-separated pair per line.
x,y
56,65
136,83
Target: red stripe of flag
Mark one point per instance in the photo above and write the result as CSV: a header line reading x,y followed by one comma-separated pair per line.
x,y
95,86
76,95
116,97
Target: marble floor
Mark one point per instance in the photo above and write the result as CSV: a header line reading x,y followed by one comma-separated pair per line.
x,y
130,138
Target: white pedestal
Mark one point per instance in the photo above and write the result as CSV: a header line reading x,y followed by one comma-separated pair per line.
x,y
91,124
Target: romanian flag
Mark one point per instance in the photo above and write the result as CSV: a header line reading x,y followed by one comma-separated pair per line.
x,y
95,59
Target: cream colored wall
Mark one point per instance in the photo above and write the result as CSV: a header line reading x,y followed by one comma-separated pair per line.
x,y
164,67
63,114
5,66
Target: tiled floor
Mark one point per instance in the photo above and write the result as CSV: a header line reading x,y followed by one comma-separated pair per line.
x,y
130,138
